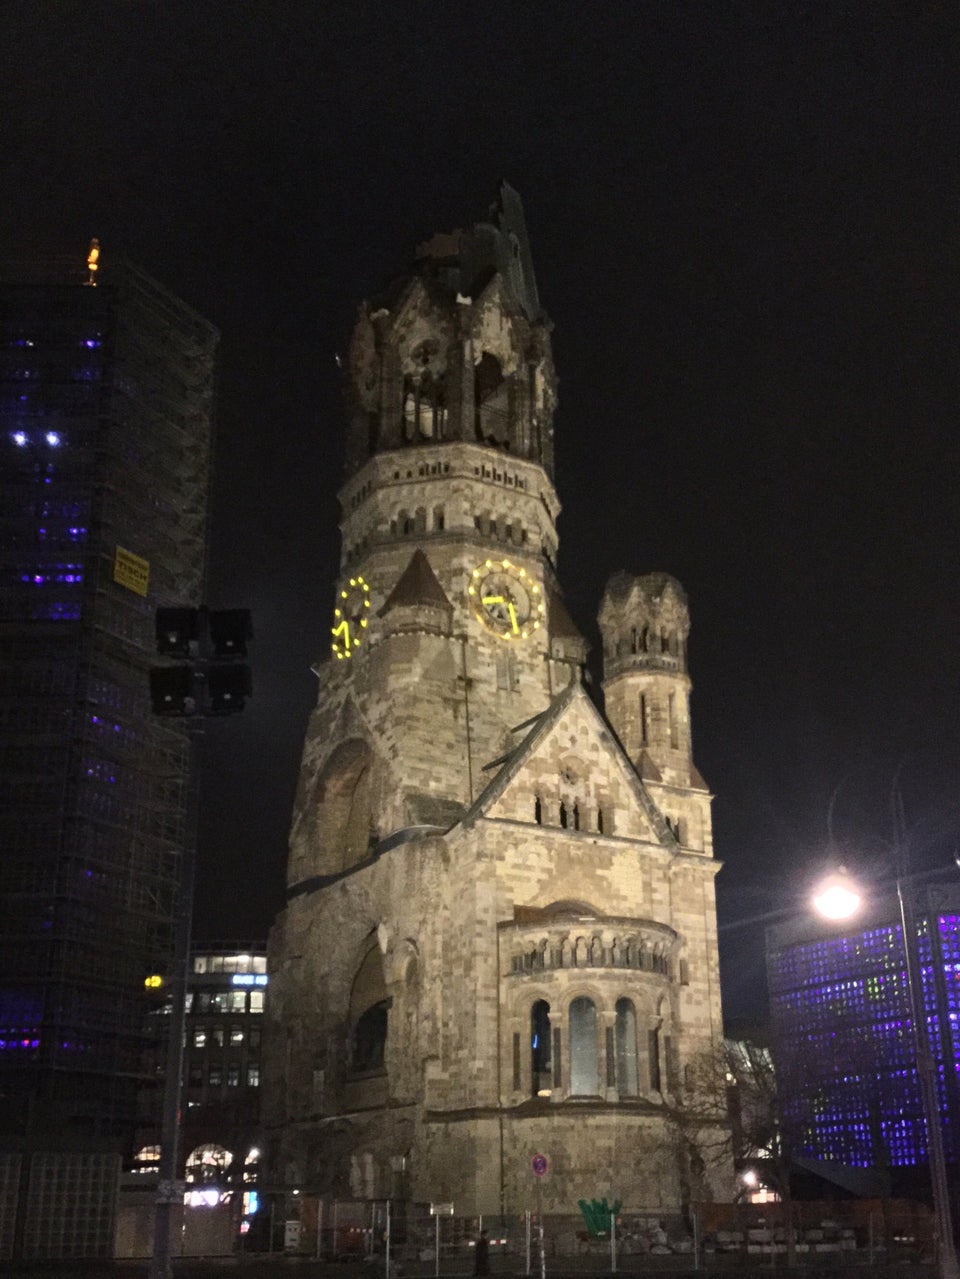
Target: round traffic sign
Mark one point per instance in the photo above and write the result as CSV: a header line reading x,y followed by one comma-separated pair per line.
x,y
539,1165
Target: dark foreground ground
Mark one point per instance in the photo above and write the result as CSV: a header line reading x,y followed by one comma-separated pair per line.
x,y
727,1267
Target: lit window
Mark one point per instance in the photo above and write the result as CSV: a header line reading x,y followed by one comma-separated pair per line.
x,y
540,1049
199,1038
253,1075
233,1076
238,1001
584,1079
256,1001
236,1035
628,1079
215,1076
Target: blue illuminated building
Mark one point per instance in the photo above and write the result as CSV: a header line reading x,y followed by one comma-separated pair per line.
x,y
843,1036
106,413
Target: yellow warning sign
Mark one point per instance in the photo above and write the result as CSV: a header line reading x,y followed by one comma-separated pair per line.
x,y
131,571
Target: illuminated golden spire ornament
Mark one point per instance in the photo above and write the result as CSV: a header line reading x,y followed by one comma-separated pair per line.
x,y
93,261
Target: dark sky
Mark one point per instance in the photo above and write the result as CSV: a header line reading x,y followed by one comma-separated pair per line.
x,y
744,224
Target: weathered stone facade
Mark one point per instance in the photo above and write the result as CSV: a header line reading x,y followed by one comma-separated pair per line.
x,y
500,934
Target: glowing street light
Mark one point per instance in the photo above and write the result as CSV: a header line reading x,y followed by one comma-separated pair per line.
x,y
837,897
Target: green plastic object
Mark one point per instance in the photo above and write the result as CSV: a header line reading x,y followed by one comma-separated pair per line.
x,y
597,1214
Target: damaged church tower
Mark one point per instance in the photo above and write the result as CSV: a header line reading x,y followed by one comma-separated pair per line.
x,y
500,931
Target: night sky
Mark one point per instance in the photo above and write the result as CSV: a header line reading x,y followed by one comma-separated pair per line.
x,y
744,225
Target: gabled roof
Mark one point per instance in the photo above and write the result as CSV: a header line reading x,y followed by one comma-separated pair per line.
x,y
542,727
416,586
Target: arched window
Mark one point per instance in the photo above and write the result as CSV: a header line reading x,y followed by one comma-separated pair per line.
x,y
369,1014
599,821
563,815
628,1076
540,1066
208,1163
370,1038
491,400
344,814
576,817
584,1076
538,811
653,1052
409,409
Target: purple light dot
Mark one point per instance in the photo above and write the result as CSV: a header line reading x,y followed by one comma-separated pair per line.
x,y
52,438
38,579
19,438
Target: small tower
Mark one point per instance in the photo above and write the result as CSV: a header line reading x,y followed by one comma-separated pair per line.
x,y
645,623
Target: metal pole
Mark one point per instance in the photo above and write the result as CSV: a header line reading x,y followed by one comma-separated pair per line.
x,y
613,1243
926,1073
160,1262
319,1228
527,1267
543,1255
436,1245
386,1268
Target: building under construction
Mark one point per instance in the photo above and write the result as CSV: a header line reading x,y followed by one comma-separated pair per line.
x,y
107,409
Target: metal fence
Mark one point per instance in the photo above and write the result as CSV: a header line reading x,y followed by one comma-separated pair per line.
x,y
398,1240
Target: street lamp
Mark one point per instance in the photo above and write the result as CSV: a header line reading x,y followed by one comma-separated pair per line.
x,y
839,899
204,677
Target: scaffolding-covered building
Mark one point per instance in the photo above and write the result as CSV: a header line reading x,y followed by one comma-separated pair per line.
x,y
106,427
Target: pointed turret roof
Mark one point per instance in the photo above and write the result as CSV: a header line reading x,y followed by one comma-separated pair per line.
x,y
562,625
416,587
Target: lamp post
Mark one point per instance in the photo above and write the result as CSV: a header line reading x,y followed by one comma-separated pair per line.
x,y
837,899
204,677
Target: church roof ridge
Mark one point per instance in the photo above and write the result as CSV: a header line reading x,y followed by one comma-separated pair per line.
x,y
541,726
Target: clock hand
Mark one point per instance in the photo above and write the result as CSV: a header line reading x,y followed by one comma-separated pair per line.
x,y
513,618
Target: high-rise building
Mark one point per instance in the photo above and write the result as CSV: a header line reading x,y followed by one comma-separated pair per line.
x,y
843,1034
106,423
500,934
227,988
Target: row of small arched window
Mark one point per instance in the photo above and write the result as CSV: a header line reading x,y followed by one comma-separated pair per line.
x,y
647,640
580,953
568,816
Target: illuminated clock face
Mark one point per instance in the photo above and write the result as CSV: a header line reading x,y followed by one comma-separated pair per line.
x,y
350,617
506,599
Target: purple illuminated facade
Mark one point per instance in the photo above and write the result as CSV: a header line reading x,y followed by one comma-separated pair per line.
x,y
106,411
846,1059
